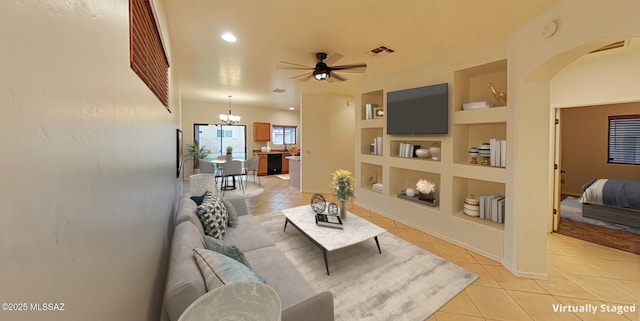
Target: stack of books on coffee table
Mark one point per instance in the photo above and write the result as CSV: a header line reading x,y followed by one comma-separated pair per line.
x,y
329,221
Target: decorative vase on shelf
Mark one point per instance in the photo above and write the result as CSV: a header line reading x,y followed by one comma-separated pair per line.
x,y
422,153
343,210
435,152
425,197
410,192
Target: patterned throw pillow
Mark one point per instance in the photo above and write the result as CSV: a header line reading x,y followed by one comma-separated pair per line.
x,y
223,247
219,269
213,217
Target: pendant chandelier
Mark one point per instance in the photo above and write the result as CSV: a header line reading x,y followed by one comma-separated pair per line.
x,y
229,119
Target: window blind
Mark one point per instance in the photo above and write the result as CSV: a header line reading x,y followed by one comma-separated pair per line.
x,y
624,139
147,56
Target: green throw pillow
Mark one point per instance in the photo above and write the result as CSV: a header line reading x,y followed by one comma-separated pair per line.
x,y
221,246
219,269
231,212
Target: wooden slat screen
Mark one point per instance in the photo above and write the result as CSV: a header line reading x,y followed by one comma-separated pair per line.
x,y
624,139
147,55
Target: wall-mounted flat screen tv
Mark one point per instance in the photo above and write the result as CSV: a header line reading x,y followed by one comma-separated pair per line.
x,y
418,111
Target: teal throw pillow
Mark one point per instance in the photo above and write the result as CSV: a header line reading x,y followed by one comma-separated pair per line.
x,y
213,217
219,269
199,199
223,247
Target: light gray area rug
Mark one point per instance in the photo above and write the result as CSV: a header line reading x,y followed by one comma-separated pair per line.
x,y
252,189
571,209
405,282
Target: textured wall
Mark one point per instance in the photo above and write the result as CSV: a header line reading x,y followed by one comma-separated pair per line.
x,y
89,171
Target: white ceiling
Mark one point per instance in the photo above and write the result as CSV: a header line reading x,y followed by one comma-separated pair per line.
x,y
268,31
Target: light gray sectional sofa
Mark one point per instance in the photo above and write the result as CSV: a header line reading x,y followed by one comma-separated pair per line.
x,y
185,282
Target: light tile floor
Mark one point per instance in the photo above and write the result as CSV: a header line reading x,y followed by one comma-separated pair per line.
x,y
579,272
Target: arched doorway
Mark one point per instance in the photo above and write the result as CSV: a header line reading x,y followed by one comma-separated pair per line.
x,y
535,55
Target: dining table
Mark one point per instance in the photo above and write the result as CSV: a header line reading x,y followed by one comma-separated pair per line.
x,y
217,162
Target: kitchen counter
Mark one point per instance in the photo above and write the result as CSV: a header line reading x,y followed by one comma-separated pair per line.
x,y
294,171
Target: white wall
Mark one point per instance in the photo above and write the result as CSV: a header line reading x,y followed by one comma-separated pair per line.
x,y
606,77
328,139
89,167
198,112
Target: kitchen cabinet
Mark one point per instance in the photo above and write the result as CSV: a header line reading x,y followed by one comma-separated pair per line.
x,y
261,132
262,164
285,163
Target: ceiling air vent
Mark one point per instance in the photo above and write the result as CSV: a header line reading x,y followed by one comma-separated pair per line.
x,y
382,49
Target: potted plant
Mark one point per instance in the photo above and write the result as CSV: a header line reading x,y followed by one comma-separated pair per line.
x,y
195,151
229,153
342,186
425,190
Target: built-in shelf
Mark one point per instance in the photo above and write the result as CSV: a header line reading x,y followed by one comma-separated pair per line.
x,y
464,187
367,137
374,97
477,116
473,135
455,177
369,174
402,178
395,144
470,84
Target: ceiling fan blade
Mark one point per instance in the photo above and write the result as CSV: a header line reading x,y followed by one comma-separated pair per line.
x,y
300,76
333,59
356,66
337,77
309,76
292,65
351,70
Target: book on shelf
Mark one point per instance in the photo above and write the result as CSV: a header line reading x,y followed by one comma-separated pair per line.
x,y
492,208
475,105
329,221
406,150
369,110
498,150
376,146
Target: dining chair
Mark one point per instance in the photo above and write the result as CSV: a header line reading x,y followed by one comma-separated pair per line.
x,y
232,170
206,167
252,166
220,167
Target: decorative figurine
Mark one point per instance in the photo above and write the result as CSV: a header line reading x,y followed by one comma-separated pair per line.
x,y
501,98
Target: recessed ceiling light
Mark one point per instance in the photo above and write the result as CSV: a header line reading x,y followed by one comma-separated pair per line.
x,y
291,108
228,37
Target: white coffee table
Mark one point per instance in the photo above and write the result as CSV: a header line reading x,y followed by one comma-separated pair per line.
x,y
329,239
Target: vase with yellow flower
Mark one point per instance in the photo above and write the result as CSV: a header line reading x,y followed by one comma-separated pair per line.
x,y
342,186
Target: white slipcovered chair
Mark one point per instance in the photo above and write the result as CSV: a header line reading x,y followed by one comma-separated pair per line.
x,y
232,169
251,165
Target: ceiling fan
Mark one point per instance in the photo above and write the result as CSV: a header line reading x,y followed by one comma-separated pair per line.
x,y
322,70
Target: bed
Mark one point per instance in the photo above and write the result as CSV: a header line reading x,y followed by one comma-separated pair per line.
x,y
612,200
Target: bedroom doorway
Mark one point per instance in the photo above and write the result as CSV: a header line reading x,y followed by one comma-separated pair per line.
x,y
576,163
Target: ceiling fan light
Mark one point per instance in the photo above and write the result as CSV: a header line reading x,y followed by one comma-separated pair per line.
x,y
320,74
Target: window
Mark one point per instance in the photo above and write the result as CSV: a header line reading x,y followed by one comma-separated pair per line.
x,y
147,56
624,139
283,135
224,133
